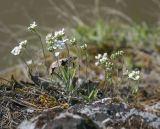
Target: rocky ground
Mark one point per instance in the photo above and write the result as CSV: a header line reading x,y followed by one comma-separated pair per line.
x,y
24,105
102,114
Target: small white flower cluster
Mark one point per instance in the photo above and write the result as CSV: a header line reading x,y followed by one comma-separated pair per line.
x,y
72,41
56,41
84,47
23,43
49,38
117,54
32,26
17,50
134,75
59,34
101,59
109,66
107,61
56,54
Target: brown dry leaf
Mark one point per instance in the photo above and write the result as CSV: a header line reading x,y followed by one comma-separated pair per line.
x,y
61,62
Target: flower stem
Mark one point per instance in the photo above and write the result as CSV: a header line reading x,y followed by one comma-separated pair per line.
x,y
79,54
86,63
45,62
68,64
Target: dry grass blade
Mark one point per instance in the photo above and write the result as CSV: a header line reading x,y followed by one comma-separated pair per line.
x,y
23,103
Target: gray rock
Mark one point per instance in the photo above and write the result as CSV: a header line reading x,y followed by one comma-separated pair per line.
x,y
61,121
100,114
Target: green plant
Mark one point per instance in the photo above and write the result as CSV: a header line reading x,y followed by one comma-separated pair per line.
x,y
57,43
118,34
95,34
92,96
107,62
112,67
134,76
66,68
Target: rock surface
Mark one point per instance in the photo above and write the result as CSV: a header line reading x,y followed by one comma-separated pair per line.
x,y
62,121
103,114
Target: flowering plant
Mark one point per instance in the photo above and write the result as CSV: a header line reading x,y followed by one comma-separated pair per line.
x,y
56,43
67,69
111,68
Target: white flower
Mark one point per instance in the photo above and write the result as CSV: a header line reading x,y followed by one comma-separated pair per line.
x,y
72,41
101,59
84,46
105,55
59,33
104,58
23,43
56,41
109,65
49,38
60,44
65,40
32,26
29,62
16,50
134,75
98,56
116,55
57,54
